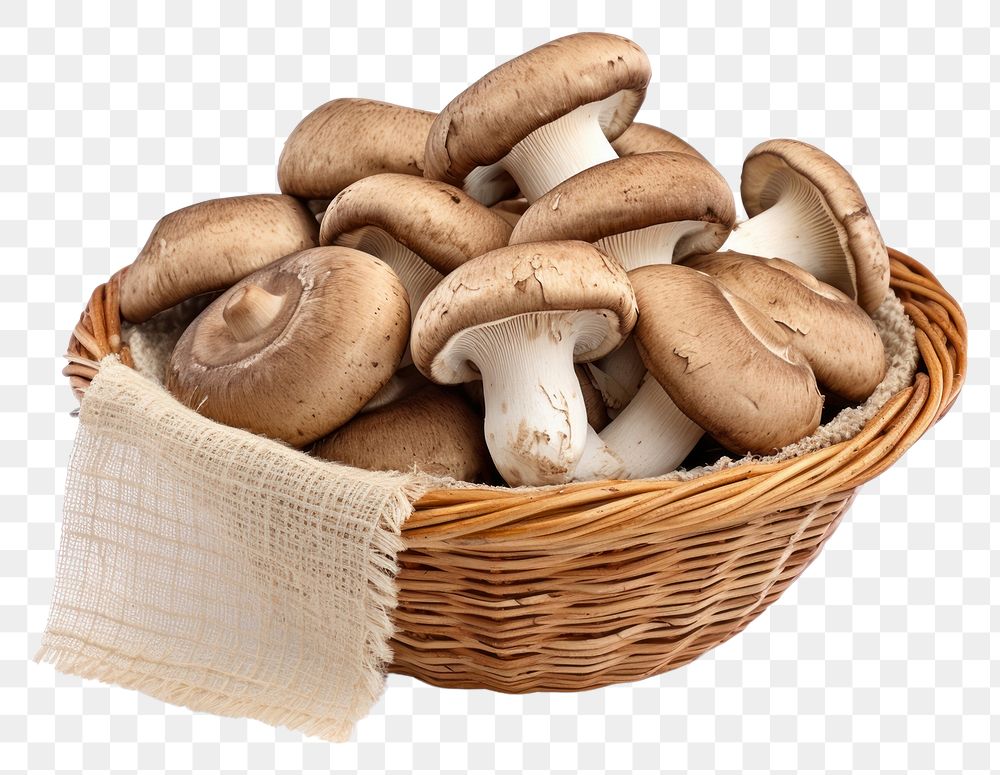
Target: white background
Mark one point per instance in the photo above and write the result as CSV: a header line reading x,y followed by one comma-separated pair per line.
x,y
882,656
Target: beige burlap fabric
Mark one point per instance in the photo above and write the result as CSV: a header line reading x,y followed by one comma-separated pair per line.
x,y
219,570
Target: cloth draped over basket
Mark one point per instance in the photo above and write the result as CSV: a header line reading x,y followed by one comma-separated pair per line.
x,y
219,570
232,574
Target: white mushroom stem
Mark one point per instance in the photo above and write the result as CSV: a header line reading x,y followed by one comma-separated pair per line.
x,y
560,149
649,438
651,245
536,419
250,311
799,227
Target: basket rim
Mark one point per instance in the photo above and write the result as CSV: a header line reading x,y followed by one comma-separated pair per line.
x,y
472,513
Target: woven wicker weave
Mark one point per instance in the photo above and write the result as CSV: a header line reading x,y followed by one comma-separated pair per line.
x,y
604,582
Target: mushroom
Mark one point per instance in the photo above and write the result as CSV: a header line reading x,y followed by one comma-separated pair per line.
x,y
209,246
806,208
646,138
543,116
433,430
294,350
717,364
347,139
518,318
838,339
651,208
421,228
646,209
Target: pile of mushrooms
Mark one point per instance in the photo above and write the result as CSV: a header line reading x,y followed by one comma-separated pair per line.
x,y
527,283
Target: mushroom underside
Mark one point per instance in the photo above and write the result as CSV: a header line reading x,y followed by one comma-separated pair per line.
x,y
798,226
536,418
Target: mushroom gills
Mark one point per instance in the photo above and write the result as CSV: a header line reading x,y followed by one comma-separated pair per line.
x,y
536,418
655,244
798,227
562,148
650,437
489,184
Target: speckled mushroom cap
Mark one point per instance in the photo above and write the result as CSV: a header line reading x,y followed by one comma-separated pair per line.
x,y
632,193
761,187
348,139
296,349
838,339
483,123
646,138
433,430
515,280
723,362
440,223
209,246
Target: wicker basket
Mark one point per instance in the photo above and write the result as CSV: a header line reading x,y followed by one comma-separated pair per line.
x,y
604,582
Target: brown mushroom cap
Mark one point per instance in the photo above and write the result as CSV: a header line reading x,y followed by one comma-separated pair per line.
x,y
760,190
835,335
723,362
483,123
294,350
632,193
209,246
348,139
646,138
441,224
433,430
515,280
